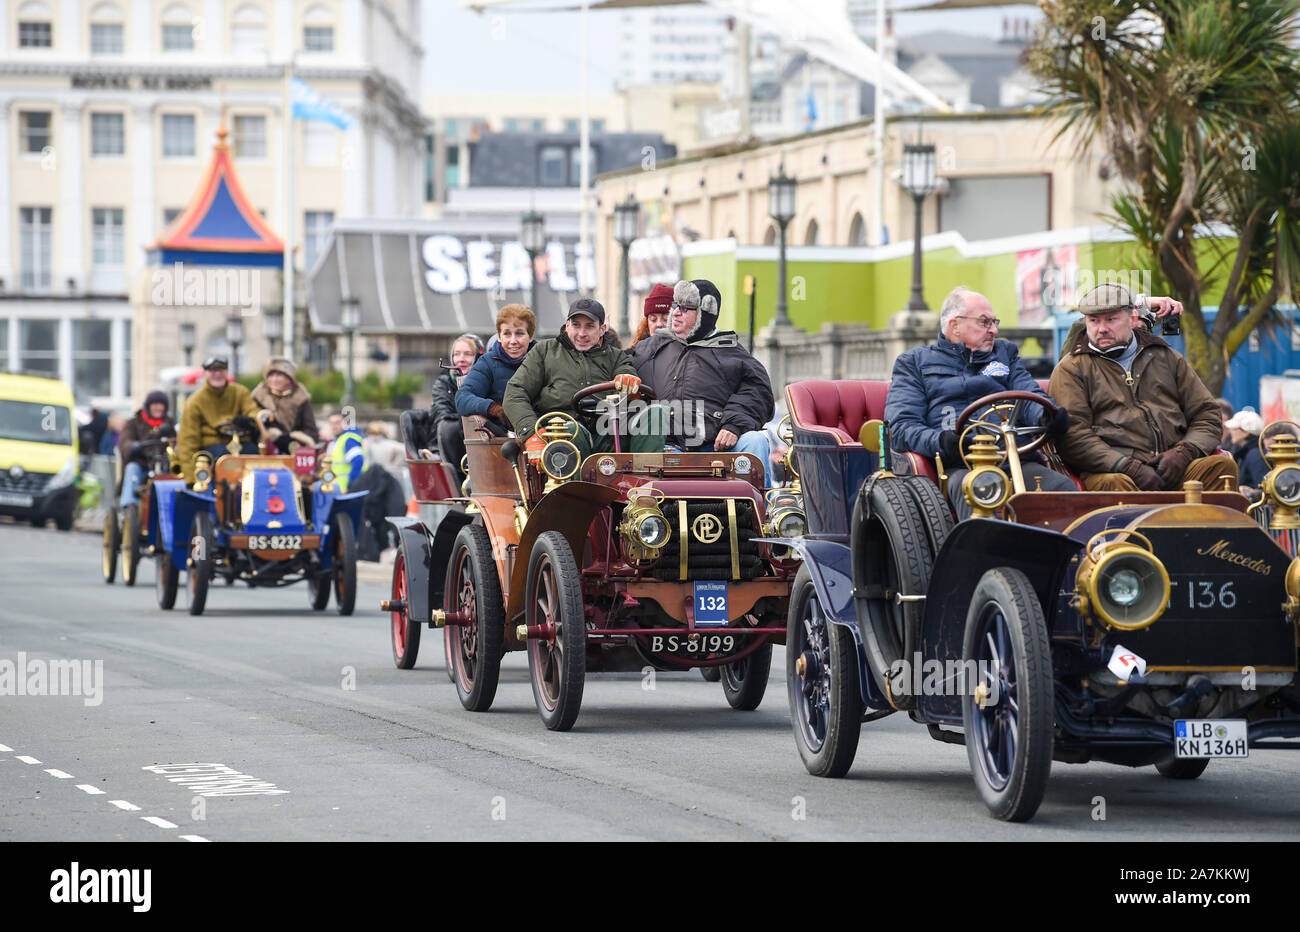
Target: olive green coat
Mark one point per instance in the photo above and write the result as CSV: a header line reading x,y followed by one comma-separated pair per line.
x,y
552,372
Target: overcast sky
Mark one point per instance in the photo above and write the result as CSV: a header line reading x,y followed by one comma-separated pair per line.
x,y
504,50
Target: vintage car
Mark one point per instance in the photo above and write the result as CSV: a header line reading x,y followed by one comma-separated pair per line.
x,y
123,528
249,517
1136,628
616,563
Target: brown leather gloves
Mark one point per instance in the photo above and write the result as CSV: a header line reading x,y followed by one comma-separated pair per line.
x,y
1146,478
1174,462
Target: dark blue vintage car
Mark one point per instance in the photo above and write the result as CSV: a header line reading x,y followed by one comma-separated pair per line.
x,y
1136,628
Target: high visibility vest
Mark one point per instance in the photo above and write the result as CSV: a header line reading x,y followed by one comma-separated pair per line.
x,y
345,469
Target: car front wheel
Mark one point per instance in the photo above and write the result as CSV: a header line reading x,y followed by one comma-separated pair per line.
x,y
557,661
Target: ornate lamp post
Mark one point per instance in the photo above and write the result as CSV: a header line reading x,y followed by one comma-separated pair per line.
x,y
627,222
918,180
350,319
532,235
780,205
235,336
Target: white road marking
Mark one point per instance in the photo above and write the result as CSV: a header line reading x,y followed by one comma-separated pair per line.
x,y
27,760
59,774
161,823
193,838
123,804
5,747
92,790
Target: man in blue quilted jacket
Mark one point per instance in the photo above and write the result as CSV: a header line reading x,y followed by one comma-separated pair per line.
x,y
932,384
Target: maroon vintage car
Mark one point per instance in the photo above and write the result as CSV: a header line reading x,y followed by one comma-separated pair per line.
x,y
617,563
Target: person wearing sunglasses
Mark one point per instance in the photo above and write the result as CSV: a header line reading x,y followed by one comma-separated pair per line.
x,y
931,385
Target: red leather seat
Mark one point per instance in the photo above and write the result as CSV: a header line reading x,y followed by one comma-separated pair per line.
x,y
836,410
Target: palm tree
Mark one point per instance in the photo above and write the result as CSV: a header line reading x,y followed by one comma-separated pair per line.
x,y
1195,101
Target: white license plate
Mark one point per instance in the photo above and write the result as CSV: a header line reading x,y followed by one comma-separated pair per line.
x,y
274,541
700,646
1210,737
16,498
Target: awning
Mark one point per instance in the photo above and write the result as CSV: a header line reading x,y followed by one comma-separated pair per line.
x,y
443,277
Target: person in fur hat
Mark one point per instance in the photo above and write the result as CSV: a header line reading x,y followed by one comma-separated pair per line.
x,y
286,406
724,393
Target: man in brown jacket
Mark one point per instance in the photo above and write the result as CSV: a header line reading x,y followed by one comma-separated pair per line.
x,y
1140,418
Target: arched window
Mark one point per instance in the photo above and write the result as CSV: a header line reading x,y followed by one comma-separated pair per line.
x,y
35,25
106,29
318,29
769,238
857,231
178,22
810,237
248,31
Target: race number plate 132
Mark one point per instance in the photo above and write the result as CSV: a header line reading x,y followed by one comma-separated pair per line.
x,y
1210,737
710,604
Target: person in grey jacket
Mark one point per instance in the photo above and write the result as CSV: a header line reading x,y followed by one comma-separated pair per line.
x,y
720,393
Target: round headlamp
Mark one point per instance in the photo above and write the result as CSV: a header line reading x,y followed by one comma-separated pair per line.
x,y
561,459
327,475
201,474
1129,587
791,524
653,530
987,487
1286,485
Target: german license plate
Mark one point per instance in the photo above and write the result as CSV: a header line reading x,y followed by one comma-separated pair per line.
x,y
700,646
16,498
274,541
710,604
1210,737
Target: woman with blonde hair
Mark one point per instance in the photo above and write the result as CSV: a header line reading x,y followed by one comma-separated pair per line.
x,y
483,388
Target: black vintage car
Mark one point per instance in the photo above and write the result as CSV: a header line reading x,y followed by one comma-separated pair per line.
x,y
1147,628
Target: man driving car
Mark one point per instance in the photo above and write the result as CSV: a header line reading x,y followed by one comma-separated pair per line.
x,y
217,401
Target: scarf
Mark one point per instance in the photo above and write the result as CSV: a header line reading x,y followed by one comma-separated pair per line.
x,y
151,422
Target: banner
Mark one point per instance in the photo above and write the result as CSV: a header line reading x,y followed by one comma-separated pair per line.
x,y
1047,281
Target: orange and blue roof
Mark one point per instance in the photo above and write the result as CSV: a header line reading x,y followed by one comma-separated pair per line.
x,y
220,226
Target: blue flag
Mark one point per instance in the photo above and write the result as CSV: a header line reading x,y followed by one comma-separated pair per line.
x,y
811,104
309,104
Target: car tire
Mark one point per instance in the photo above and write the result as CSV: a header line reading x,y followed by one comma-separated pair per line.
x,y
165,579
826,702
1182,768
557,665
345,565
63,519
934,511
711,674
448,649
405,633
38,522
744,681
1009,740
199,573
112,546
902,562
474,588
130,544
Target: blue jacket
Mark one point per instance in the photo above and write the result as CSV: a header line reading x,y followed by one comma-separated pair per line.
x,y
486,380
933,384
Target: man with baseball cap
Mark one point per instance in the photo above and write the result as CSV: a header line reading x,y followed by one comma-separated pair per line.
x,y
218,400
1140,418
557,368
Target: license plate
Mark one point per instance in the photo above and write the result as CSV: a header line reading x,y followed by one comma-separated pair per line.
x,y
1210,737
710,604
274,541
16,498
700,646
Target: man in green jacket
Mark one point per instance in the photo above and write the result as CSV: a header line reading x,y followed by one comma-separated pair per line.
x,y
218,400
557,368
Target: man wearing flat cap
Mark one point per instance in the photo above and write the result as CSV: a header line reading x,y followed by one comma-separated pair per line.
x,y
218,400
1140,418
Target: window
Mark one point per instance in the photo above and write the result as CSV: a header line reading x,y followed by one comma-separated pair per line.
x,y
318,38
248,32
35,232
428,168
92,359
452,177
451,127
573,126
105,38
316,228
38,346
857,231
598,126
35,25
552,172
512,125
250,137
177,38
107,134
107,235
320,143
813,233
34,129
178,135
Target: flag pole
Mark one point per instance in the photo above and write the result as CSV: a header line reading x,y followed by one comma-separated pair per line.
x,y
288,309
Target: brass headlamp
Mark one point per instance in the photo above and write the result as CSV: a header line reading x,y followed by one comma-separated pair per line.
x,y
1281,487
202,472
1121,581
986,487
644,528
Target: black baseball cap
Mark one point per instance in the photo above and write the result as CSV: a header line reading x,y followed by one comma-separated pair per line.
x,y
587,307
216,362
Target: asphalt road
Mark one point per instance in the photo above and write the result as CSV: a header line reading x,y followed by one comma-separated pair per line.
x,y
309,705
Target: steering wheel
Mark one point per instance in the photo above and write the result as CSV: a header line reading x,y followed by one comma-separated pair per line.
x,y
241,426
645,391
1007,413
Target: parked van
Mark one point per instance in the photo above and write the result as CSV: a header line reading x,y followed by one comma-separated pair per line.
x,y
38,450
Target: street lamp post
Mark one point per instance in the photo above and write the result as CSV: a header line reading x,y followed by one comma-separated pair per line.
x,y
627,221
235,336
273,328
780,204
918,180
188,340
350,319
533,237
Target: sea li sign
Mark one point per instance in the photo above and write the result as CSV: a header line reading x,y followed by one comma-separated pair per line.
x,y
454,265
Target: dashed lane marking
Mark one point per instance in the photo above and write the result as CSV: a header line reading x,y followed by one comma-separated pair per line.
x,y
123,804
92,790
27,760
193,838
59,774
5,747
154,820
